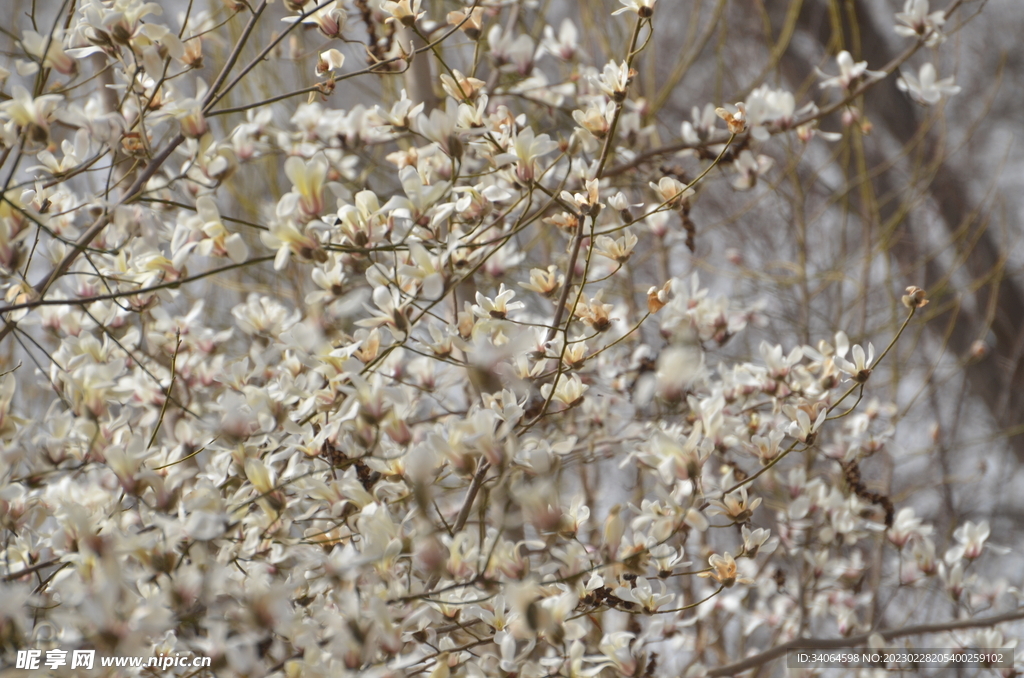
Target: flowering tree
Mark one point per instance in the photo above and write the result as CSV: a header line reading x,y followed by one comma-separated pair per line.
x,y
433,386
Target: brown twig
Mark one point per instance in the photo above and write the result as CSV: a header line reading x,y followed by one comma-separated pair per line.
x,y
29,570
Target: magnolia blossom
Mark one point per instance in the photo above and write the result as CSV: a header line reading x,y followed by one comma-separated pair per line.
x,y
972,538
544,281
754,540
642,593
915,21
329,61
735,117
330,19
596,119
767,447
595,312
289,239
766,105
618,250
189,112
850,73
401,113
73,154
671,191
588,202
568,391
906,527
47,48
749,168
367,386
406,12
703,123
643,8
470,20
512,52
528,148
614,80
723,570
440,127
308,179
31,114
860,368
675,458
219,240
564,45
802,428
499,306
926,88
736,508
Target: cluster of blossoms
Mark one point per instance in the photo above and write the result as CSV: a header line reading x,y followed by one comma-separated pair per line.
x,y
381,461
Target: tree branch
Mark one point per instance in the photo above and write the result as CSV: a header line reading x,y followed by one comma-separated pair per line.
x,y
853,641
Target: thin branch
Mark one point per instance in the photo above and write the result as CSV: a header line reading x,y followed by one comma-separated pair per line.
x,y
130,293
853,641
29,570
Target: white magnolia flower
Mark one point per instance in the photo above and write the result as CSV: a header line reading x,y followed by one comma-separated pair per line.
x,y
724,571
588,202
407,12
189,112
569,391
620,203
597,118
618,250
331,280
329,61
779,365
915,21
402,113
469,19
766,105
565,45
735,506
926,88
643,595
671,191
288,238
971,538
461,86
643,8
440,127
329,19
308,179
498,307
326,452
860,368
802,428
544,282
391,311
28,112
748,168
218,240
55,57
767,447
850,73
264,315
614,80
703,124
907,526
528,148
676,458
512,52
753,540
